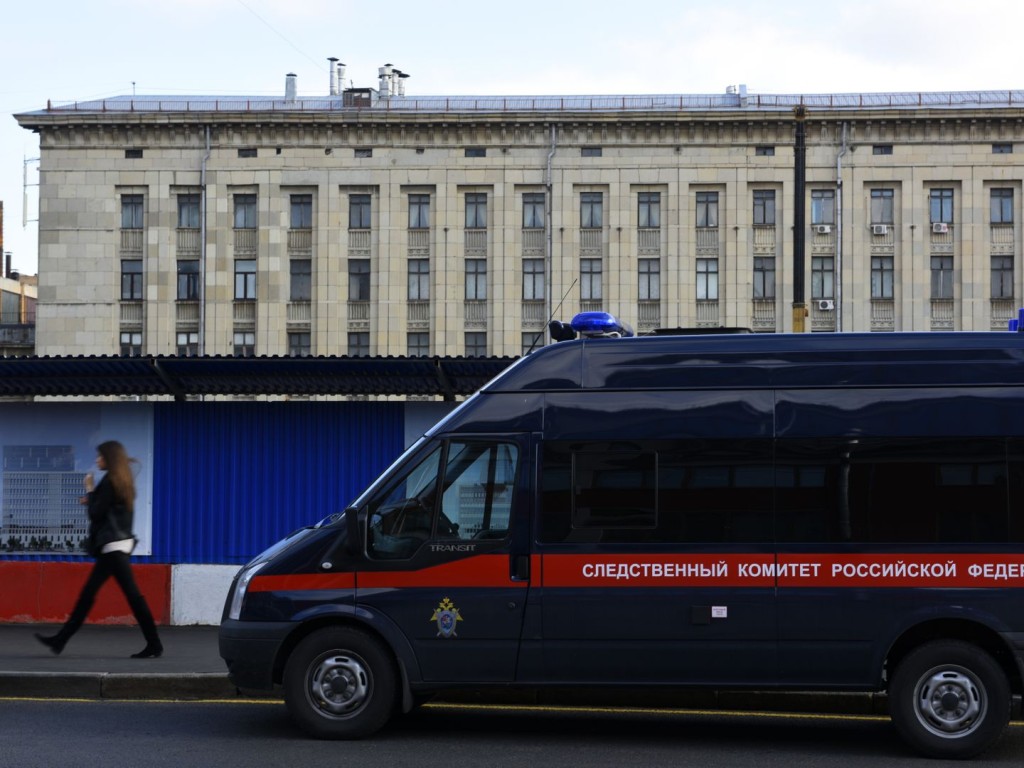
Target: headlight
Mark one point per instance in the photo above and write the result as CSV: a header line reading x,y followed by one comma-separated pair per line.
x,y
241,585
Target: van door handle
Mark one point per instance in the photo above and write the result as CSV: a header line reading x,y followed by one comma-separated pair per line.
x,y
520,570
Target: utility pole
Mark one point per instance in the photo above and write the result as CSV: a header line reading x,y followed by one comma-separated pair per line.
x,y
799,219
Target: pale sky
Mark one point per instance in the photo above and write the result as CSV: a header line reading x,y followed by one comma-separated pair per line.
x,y
73,51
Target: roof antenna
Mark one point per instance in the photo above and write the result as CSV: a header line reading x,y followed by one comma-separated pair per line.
x,y
541,333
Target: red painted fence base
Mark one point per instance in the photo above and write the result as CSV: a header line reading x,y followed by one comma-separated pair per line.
x,y
45,593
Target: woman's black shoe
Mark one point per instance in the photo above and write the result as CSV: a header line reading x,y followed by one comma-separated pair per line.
x,y
149,652
53,642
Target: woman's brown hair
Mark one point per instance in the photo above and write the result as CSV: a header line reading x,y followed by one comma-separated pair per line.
x,y
119,471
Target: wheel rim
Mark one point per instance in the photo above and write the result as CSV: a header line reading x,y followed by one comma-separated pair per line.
x,y
339,684
951,701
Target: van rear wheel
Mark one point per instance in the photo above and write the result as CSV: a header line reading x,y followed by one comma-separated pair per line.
x,y
339,683
949,699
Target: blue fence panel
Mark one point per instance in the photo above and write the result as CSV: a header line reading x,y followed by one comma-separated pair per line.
x,y
232,478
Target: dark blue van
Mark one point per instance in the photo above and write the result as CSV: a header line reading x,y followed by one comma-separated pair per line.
x,y
801,512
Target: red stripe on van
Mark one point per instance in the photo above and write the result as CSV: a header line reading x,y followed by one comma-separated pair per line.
x,y
297,582
479,571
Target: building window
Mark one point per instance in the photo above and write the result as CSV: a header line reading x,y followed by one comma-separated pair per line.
x,y
245,211
764,277
476,152
358,279
476,279
358,343
364,152
882,206
419,211
649,279
533,280
1002,206
823,206
764,151
649,210
942,277
590,279
358,211
591,210
881,149
418,343
476,344
1002,148
133,154
419,280
764,207
1002,277
188,211
247,152
881,277
302,212
245,279
187,343
822,277
131,280
131,343
300,272
298,344
476,210
533,210
940,206
707,279
245,343
591,152
131,211
531,340
707,209
188,280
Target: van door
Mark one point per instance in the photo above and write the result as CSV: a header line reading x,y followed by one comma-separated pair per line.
x,y
658,561
441,563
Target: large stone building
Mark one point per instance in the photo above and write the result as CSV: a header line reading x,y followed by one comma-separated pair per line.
x,y
369,222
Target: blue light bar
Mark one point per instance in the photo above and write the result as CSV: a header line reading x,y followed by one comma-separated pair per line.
x,y
1016,324
598,324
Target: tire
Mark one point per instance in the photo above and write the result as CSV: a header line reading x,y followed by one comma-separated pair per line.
x,y
340,683
949,699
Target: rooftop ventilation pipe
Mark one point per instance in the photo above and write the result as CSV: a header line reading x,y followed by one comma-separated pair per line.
x,y
385,80
334,75
341,77
289,86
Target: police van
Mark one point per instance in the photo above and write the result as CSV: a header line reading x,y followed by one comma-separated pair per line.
x,y
837,512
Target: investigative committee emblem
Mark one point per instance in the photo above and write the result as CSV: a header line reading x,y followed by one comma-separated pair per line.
x,y
446,615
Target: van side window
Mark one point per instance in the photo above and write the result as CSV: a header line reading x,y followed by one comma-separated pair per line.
x,y
658,492
461,490
897,490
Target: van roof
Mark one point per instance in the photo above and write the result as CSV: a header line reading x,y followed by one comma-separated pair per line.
x,y
771,360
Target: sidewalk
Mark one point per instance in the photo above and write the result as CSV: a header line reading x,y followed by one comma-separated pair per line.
x,y
96,665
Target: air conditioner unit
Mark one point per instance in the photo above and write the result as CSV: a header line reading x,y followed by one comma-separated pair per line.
x,y
940,227
826,305
879,229
823,229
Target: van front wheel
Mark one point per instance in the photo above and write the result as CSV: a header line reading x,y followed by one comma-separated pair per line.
x,y
339,683
949,699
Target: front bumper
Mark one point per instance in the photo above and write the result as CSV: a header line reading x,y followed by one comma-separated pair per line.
x,y
250,650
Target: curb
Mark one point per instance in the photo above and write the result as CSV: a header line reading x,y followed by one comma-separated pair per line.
x,y
115,685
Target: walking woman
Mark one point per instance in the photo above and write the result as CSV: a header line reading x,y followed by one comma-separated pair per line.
x,y
111,506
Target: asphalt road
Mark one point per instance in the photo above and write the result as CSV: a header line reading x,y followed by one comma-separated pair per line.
x,y
250,734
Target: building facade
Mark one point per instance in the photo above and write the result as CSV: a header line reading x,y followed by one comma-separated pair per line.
x,y
372,223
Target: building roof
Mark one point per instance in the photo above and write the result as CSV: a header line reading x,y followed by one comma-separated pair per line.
x,y
635,103
182,377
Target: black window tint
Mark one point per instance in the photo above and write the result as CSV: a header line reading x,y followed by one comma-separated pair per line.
x,y
657,492
898,491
